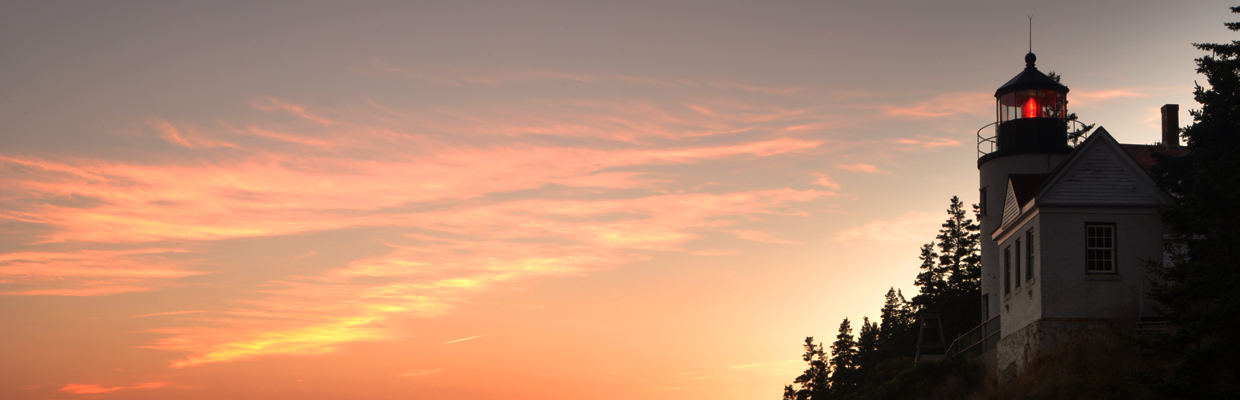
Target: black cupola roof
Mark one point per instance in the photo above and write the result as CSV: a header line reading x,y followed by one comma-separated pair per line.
x,y
1030,78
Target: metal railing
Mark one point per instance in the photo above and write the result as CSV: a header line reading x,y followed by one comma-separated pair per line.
x,y
976,341
988,142
1077,135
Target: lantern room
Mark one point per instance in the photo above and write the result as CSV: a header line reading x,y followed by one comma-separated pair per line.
x,y
1032,103
1030,114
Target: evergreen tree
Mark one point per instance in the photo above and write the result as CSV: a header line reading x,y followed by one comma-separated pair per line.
x,y
895,331
844,360
948,284
950,281
815,382
1079,129
868,356
960,257
1201,290
931,280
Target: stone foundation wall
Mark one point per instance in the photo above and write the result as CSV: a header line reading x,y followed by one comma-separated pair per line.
x,y
1017,349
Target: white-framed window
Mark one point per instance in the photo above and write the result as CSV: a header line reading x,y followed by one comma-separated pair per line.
x,y
1029,255
982,206
985,306
1099,248
1016,264
1007,270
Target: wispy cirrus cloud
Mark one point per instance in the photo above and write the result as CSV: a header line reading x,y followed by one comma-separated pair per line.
x,y
477,199
463,78
271,103
275,197
89,272
421,372
861,167
477,215
186,136
97,389
1107,94
473,250
759,236
950,104
927,142
910,228
824,180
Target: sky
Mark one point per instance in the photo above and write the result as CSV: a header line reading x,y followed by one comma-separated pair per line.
x,y
516,200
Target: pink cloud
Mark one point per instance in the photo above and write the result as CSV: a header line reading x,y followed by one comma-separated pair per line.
x,y
318,314
97,291
861,167
1107,94
759,236
420,372
278,200
450,174
927,142
271,103
911,228
96,389
1088,97
824,180
463,77
187,136
89,272
945,105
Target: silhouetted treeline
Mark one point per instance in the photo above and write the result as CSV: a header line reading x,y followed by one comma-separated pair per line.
x,y
1200,290
866,365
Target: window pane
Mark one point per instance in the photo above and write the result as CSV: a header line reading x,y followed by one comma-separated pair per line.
x,y
1017,263
1007,270
1100,248
1029,252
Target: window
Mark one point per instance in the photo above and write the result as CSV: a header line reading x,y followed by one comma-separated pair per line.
x,y
1007,270
1029,255
983,205
1099,248
1017,274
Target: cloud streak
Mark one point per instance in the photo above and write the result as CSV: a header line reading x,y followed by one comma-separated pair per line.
x,y
475,200
463,339
96,389
946,105
89,272
910,228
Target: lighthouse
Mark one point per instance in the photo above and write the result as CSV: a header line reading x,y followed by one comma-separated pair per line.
x,y
1066,228
1031,137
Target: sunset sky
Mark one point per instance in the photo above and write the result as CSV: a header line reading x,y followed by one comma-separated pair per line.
x,y
452,200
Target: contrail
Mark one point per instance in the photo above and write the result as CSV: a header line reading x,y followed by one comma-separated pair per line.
x,y
461,340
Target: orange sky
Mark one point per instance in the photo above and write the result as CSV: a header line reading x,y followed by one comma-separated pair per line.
x,y
475,201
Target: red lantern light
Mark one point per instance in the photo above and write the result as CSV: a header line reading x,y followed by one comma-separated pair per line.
x,y
1031,108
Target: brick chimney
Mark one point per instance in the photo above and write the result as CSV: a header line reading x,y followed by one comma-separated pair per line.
x,y
1171,125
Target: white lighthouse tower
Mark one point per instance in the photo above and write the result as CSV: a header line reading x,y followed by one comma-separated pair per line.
x,y
1031,137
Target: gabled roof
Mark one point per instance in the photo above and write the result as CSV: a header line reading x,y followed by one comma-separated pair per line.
x,y
1025,185
1144,153
1100,172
